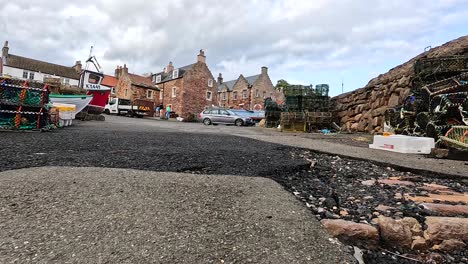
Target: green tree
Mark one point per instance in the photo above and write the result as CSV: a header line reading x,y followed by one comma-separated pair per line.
x,y
282,85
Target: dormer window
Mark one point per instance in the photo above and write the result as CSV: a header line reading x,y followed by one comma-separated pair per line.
x,y
210,82
158,79
175,73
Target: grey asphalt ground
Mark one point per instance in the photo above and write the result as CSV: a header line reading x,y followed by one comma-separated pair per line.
x,y
100,215
331,144
126,216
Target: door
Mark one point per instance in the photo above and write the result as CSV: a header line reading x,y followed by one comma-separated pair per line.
x,y
214,116
226,117
113,106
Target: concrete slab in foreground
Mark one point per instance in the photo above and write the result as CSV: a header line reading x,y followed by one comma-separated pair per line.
x,y
97,215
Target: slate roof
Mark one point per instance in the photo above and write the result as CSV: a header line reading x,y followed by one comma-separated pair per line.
x,y
141,81
251,80
165,77
228,84
41,66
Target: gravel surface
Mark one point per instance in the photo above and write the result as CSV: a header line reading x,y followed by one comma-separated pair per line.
x,y
96,215
333,188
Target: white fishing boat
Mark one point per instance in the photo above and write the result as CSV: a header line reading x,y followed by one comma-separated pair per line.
x,y
81,101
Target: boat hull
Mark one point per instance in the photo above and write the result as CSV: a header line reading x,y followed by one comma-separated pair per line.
x,y
81,101
99,101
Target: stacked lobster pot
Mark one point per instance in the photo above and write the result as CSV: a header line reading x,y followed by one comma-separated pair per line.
x,y
23,104
438,105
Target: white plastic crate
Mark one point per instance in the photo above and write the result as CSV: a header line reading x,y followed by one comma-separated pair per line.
x,y
404,144
66,114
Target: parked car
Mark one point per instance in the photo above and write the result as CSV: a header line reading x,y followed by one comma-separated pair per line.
x,y
222,116
256,116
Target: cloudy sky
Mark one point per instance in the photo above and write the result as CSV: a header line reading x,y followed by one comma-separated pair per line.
x,y
302,41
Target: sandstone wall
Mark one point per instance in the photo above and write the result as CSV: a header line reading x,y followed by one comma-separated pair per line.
x,y
363,109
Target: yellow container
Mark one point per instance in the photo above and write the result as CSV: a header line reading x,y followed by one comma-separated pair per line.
x,y
66,113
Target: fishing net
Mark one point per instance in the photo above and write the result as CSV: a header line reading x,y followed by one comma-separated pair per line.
x,y
457,137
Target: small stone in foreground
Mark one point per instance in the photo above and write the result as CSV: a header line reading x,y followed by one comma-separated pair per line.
x,y
446,209
395,233
351,232
446,228
419,243
450,245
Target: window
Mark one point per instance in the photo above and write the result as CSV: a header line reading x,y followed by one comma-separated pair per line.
x,y
126,92
161,94
158,78
264,95
257,93
149,94
65,81
31,76
25,74
224,112
175,73
208,96
234,94
125,102
113,90
244,94
224,96
210,83
174,91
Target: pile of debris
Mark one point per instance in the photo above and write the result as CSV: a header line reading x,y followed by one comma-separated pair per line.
x,y
23,105
438,104
306,109
393,216
363,110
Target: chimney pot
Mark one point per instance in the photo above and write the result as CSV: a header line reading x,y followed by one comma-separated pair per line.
x,y
78,66
220,78
5,50
264,70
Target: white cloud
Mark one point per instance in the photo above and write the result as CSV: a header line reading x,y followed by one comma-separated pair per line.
x,y
291,37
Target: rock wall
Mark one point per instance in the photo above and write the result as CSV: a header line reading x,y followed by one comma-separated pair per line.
x,y
363,109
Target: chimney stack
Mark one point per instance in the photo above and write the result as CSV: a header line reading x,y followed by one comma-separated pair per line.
x,y
117,72
78,66
264,70
220,78
125,69
201,57
5,50
169,67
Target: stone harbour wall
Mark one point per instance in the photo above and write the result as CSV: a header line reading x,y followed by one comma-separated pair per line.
x,y
363,110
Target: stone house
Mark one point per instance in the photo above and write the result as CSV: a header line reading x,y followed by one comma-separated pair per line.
x,y
131,86
31,69
247,92
188,89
